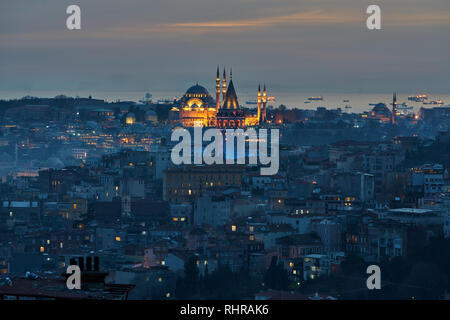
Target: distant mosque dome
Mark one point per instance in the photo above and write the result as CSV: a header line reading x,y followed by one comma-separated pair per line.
x,y
130,118
54,162
381,110
150,116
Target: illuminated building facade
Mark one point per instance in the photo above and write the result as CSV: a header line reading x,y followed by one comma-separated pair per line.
x,y
130,118
198,107
186,183
381,112
394,109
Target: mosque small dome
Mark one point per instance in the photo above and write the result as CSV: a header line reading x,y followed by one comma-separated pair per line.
x,y
130,118
151,116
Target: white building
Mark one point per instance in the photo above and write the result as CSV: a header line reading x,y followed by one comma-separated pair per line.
x,y
431,178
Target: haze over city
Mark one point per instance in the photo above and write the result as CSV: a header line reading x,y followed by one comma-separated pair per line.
x,y
294,46
221,155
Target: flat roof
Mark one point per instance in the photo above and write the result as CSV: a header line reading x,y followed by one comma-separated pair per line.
x,y
411,210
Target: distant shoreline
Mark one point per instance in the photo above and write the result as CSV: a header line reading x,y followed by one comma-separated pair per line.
x,y
359,102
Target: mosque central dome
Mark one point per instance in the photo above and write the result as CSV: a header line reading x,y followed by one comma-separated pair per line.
x,y
197,90
197,96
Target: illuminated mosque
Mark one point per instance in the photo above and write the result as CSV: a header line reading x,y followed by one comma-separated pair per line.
x,y
382,113
197,107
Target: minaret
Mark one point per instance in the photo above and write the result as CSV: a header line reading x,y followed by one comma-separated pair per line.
x,y
217,90
16,155
264,100
231,74
259,103
224,84
394,108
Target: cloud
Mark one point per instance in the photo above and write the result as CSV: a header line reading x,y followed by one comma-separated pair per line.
x,y
316,17
308,18
166,43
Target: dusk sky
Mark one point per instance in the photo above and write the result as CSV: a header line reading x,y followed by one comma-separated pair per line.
x,y
167,45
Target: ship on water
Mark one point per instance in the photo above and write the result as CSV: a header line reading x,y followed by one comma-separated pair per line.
x,y
166,100
269,99
438,102
418,98
318,98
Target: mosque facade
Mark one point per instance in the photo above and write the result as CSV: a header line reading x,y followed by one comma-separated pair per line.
x,y
197,107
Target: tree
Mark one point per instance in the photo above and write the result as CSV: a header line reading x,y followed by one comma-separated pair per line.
x,y
188,286
425,281
354,264
276,276
191,274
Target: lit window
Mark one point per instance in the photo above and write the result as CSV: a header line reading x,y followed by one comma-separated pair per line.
x,y
41,249
159,279
233,228
118,239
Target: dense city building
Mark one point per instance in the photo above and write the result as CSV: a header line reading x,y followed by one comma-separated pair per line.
x,y
83,177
